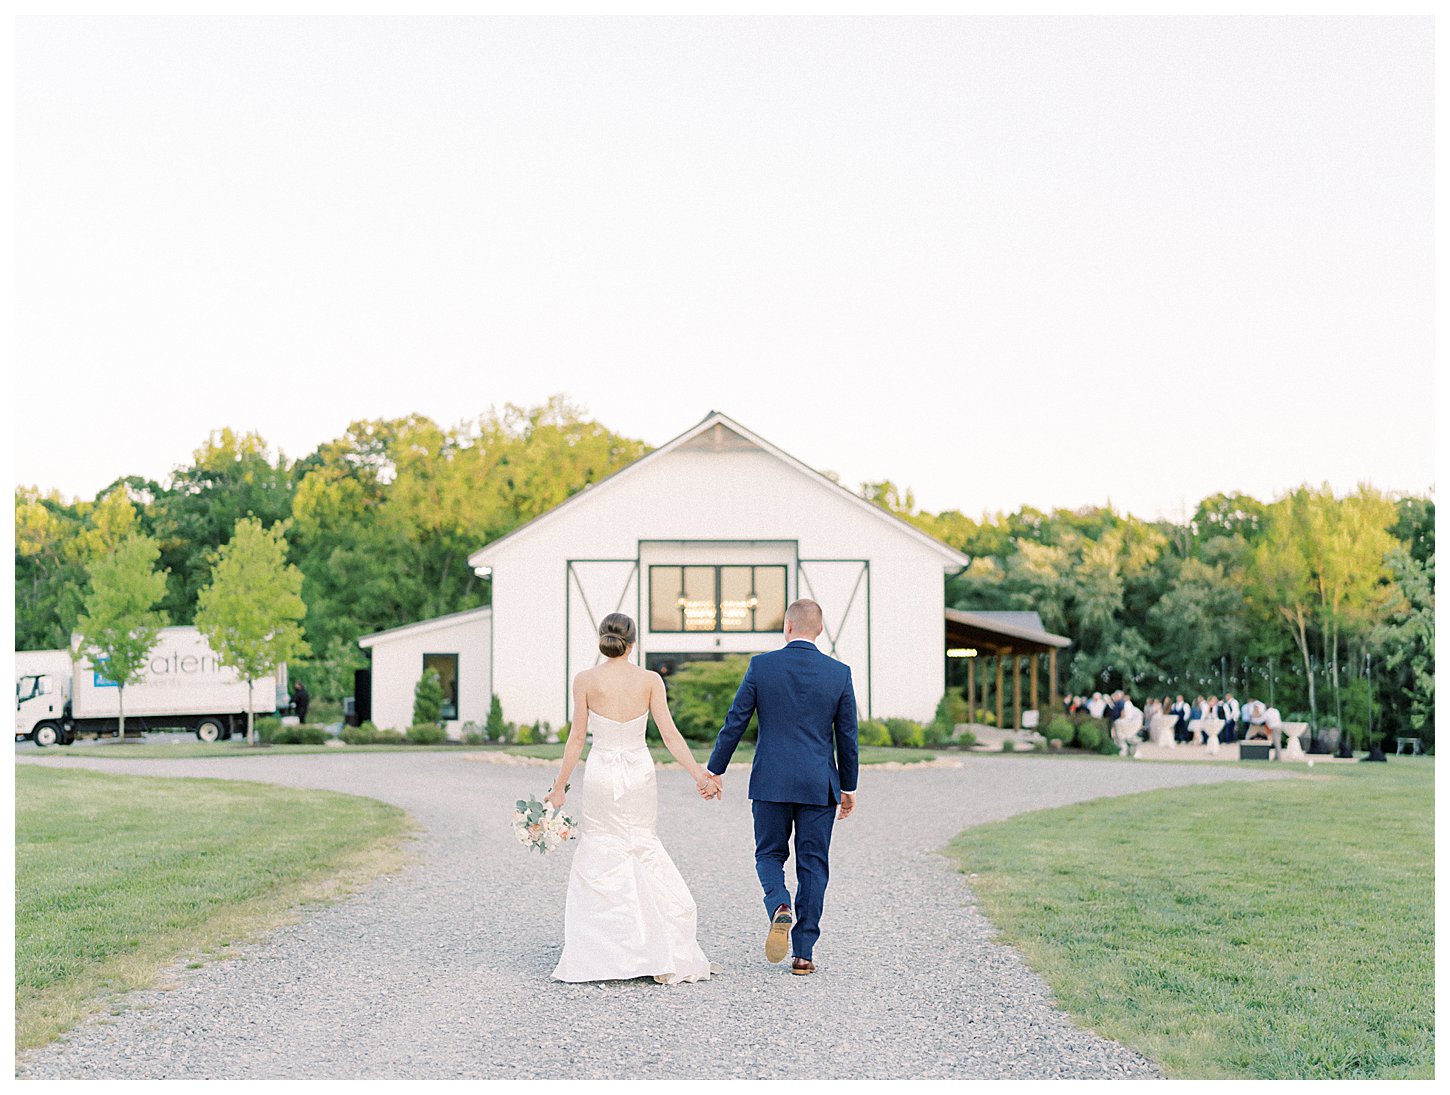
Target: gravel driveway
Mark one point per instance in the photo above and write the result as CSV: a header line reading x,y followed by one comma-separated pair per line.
x,y
441,970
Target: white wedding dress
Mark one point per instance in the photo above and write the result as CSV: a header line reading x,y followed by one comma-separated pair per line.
x,y
628,912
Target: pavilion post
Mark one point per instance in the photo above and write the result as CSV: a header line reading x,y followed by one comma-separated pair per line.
x,y
971,689
1052,678
999,692
1017,691
1034,687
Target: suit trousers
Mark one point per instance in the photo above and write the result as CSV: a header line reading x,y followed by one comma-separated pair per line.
x,y
811,825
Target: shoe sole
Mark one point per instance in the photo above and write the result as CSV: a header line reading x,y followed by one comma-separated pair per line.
x,y
777,943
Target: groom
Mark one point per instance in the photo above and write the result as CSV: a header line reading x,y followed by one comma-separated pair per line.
x,y
807,710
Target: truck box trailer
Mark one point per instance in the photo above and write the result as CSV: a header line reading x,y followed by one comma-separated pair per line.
x,y
184,687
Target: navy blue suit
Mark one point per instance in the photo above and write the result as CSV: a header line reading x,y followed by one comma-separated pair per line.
x,y
805,755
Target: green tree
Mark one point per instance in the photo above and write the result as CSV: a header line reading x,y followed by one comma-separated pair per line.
x,y
428,697
121,623
1405,640
251,610
495,727
233,475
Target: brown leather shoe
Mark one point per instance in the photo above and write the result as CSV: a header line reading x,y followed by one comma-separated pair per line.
x,y
777,943
804,967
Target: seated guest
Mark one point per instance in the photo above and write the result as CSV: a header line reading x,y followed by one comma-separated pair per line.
x,y
1096,705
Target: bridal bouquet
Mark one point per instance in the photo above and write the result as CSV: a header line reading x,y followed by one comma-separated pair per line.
x,y
539,827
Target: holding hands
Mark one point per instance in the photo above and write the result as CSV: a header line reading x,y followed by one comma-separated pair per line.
x,y
708,784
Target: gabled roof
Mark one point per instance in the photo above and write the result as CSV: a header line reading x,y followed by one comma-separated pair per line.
x,y
715,418
424,626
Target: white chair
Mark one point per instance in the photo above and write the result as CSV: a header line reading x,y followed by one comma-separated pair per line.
x,y
1029,720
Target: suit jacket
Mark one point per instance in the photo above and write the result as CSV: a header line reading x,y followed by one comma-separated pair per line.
x,y
805,750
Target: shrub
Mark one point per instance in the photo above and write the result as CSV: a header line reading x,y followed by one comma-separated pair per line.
x,y
985,717
872,732
1107,747
701,693
298,735
951,710
263,728
425,733
936,733
906,733
473,737
1008,745
966,739
369,734
428,697
1089,734
524,735
495,729
1059,728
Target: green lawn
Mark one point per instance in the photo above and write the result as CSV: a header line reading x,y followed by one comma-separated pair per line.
x,y
117,877
1259,930
743,755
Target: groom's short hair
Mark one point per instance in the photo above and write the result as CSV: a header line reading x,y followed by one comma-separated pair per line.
x,y
805,616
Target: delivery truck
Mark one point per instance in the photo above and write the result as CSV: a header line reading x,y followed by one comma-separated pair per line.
x,y
184,687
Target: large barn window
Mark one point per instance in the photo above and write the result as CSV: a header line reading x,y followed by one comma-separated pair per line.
x,y
446,666
716,598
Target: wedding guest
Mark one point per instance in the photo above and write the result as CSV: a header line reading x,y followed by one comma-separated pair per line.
x,y
1096,705
1115,708
1180,728
1229,712
1154,709
1253,713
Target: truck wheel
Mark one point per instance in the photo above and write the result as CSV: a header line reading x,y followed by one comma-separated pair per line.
x,y
46,733
209,730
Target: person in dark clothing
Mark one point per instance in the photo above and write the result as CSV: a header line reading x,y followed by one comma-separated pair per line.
x,y
300,700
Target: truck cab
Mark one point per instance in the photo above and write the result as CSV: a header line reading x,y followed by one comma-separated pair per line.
x,y
40,708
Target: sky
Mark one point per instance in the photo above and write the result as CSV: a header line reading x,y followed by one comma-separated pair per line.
x,y
1001,261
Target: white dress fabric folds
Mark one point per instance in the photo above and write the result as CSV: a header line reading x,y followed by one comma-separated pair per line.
x,y
628,912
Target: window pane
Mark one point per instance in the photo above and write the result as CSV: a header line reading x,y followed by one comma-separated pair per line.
x,y
699,598
446,666
664,598
736,600
770,598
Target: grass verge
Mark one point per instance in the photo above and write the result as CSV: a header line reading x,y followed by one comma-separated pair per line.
x,y
1249,930
119,877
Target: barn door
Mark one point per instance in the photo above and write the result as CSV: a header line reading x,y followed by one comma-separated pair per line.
x,y
597,587
842,587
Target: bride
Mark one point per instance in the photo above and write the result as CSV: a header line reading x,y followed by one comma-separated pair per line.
x,y
628,912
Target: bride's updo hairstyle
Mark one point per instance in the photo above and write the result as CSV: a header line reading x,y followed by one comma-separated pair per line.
x,y
617,634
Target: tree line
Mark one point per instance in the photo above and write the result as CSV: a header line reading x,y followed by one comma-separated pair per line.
x,y
1325,602
1321,604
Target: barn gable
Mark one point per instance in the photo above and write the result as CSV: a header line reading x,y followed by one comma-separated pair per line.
x,y
717,433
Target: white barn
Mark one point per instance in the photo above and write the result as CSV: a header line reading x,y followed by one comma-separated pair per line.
x,y
704,541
